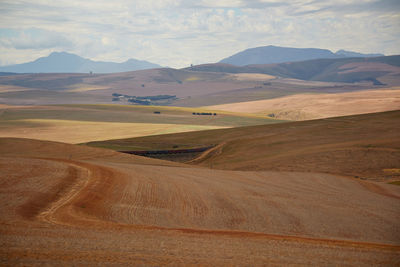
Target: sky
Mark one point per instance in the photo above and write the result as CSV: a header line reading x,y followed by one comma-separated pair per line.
x,y
177,33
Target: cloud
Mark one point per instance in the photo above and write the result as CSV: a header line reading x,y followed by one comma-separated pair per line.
x,y
177,33
33,39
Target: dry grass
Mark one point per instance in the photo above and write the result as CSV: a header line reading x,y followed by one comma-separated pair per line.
x,y
192,79
74,132
251,77
84,123
314,106
86,87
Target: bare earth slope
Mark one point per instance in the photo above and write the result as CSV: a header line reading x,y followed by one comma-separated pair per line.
x,y
73,205
366,146
315,106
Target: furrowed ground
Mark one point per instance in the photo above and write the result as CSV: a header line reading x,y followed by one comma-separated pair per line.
x,y
77,205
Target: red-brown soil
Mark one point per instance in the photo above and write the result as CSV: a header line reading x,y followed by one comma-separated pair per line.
x,y
74,205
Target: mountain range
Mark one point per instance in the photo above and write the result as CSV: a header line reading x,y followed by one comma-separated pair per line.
x,y
349,70
275,54
63,62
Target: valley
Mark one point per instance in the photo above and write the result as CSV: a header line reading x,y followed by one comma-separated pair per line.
x,y
204,85
361,146
281,164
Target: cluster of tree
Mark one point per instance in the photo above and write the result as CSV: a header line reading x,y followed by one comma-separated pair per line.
x,y
138,101
142,100
204,113
156,97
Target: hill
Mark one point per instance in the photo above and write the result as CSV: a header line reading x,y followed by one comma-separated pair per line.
x,y
316,106
99,207
199,86
83,123
364,146
345,53
275,54
62,62
348,70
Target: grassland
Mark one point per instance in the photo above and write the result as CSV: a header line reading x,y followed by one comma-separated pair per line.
x,y
69,131
252,77
315,106
85,87
84,123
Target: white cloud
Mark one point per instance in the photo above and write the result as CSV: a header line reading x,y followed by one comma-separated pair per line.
x,y
34,39
177,32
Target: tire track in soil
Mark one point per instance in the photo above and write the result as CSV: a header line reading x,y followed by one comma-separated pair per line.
x,y
85,205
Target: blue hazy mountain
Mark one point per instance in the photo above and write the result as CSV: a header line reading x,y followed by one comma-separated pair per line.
x,y
62,62
344,53
275,54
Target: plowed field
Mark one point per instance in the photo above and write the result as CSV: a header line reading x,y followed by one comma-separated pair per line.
x,y
74,205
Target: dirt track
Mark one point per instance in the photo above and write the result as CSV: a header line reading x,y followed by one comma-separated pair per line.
x,y
103,207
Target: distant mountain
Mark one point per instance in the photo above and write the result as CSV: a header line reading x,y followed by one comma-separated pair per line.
x,y
329,70
62,62
275,54
344,53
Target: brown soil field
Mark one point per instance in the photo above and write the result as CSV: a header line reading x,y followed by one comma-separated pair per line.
x,y
315,106
76,205
360,146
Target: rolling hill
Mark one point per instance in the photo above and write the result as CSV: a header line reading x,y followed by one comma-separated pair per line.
x,y
78,205
196,87
252,190
63,62
316,106
275,54
378,70
364,146
83,123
